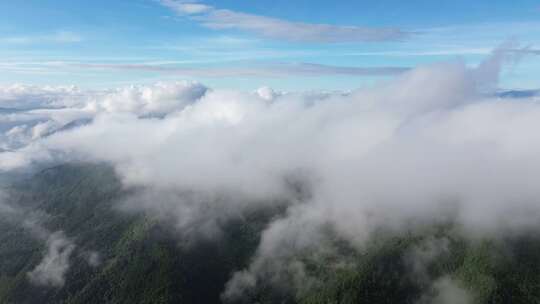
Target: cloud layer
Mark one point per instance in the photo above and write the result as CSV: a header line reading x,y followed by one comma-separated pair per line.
x,y
431,124
435,144
274,70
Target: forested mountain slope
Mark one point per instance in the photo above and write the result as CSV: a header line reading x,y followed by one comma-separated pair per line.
x,y
63,240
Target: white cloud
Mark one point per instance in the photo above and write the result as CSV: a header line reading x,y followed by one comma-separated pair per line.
x,y
93,258
425,146
23,97
188,8
52,269
447,291
158,99
222,19
56,37
31,112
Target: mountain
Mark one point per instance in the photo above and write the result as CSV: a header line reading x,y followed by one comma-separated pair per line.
x,y
133,257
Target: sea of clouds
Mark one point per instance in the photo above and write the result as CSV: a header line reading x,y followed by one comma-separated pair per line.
x,y
433,144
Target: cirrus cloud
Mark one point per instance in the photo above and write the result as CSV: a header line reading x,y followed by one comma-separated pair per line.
x,y
274,28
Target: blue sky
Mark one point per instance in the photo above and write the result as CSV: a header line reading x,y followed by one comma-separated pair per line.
x,y
289,45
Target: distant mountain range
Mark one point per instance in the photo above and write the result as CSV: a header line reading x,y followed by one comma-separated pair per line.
x,y
8,110
518,93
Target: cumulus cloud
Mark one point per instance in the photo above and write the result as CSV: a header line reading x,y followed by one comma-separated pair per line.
x,y
214,141
223,19
24,97
427,146
32,112
52,269
159,99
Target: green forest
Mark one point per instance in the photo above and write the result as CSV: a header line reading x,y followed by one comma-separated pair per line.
x,y
144,260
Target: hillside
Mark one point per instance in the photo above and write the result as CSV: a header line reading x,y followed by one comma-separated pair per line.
x,y
119,257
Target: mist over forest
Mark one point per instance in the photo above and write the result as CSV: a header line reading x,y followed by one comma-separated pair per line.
x,y
418,186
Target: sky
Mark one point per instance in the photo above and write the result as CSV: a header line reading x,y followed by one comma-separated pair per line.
x,y
287,45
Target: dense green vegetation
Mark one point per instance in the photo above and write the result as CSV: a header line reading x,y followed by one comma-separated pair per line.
x,y
144,261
